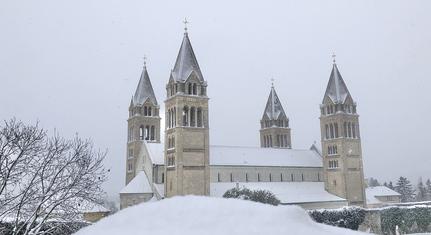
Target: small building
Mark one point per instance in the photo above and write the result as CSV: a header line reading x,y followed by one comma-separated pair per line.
x,y
93,212
380,196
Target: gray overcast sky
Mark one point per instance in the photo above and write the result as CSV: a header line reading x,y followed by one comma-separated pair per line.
x,y
74,66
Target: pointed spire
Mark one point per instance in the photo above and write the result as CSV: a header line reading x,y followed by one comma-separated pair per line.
x,y
144,91
336,90
186,62
273,110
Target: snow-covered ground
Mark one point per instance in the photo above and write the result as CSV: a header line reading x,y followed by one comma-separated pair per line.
x,y
207,215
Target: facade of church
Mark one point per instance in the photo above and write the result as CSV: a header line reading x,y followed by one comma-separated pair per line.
x,y
184,162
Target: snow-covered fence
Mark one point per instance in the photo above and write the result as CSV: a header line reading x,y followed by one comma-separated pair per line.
x,y
408,219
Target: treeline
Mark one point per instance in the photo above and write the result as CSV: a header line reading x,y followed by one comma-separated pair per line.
x,y
409,193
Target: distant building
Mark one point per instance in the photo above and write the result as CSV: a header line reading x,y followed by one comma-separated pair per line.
x,y
186,163
93,212
380,196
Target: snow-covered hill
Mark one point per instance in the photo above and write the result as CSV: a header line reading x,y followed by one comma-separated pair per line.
x,y
204,215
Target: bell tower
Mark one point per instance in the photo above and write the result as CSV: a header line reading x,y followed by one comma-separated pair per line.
x,y
143,123
274,125
187,127
341,142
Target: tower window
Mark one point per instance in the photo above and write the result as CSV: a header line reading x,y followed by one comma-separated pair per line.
x,y
193,116
291,177
141,133
145,111
331,129
130,153
147,132
327,131
194,89
345,129
246,177
130,167
270,177
163,178
199,117
152,132
336,129
149,111
258,177
281,177
302,176
185,116
218,177
353,130
231,177
189,90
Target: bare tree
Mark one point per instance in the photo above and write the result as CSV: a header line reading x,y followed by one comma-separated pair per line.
x,y
50,181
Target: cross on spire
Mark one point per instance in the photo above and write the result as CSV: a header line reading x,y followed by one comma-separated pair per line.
x,y
145,60
272,82
185,24
333,57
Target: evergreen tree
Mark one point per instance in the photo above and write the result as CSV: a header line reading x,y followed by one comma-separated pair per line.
x,y
385,184
373,182
391,186
421,191
404,188
428,190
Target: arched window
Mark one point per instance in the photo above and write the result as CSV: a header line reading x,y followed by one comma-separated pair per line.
x,y
354,130
349,130
336,129
141,133
195,89
145,111
163,178
231,177
186,116
326,131
149,111
169,142
130,133
331,128
218,177
147,132
258,177
281,177
246,177
175,117
345,129
193,116
199,117
270,177
153,130
189,90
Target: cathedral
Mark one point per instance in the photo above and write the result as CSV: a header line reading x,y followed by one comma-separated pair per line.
x,y
181,160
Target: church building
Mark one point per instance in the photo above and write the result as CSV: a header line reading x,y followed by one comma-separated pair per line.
x,y
180,160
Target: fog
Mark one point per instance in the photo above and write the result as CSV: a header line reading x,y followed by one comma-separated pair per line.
x,y
74,65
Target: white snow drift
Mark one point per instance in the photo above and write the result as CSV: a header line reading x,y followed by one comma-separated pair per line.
x,y
204,215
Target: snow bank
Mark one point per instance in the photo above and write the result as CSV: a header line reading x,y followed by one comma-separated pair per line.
x,y
204,215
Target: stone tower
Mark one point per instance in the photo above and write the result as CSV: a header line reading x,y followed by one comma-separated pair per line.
x,y
187,127
341,142
274,125
143,122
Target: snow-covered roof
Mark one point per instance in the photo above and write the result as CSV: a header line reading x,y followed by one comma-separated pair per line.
x,y
186,62
257,156
274,110
378,191
336,90
157,152
144,91
286,192
139,184
91,207
249,156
